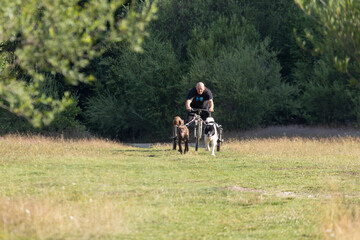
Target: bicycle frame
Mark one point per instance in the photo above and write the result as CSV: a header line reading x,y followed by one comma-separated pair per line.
x,y
198,128
198,125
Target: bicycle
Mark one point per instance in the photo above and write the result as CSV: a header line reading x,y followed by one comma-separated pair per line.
x,y
198,130
198,127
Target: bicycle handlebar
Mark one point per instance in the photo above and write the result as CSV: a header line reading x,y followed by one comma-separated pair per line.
x,y
199,110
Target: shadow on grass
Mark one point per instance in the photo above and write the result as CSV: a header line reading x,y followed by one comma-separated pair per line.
x,y
140,150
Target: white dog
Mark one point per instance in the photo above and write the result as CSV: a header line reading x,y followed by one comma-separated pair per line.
x,y
211,135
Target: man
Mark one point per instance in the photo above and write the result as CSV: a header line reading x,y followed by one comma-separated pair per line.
x,y
199,97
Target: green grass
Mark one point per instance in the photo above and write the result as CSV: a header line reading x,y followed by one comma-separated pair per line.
x,y
253,189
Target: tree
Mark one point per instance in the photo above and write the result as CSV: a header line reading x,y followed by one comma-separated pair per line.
x,y
338,24
59,37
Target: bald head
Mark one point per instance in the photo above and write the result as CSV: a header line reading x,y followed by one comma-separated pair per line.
x,y
200,88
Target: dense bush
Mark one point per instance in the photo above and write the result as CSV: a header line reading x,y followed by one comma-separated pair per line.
x,y
326,104
278,19
139,94
177,19
11,123
66,121
327,97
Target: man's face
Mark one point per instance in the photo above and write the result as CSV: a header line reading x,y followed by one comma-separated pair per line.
x,y
200,89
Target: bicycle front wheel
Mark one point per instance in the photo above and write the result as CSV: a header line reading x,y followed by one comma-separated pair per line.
x,y
198,135
196,144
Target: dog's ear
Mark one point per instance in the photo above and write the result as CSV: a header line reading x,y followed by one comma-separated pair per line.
x,y
178,121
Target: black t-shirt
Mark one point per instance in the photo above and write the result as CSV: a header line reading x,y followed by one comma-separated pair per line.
x,y
199,101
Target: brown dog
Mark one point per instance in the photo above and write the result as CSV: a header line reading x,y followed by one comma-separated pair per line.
x,y
182,134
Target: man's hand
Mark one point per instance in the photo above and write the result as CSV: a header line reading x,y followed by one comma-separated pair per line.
x,y
189,109
211,109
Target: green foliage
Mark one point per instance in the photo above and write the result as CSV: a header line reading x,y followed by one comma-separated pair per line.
x,y
246,81
105,114
59,37
25,100
11,123
67,121
139,94
326,96
208,42
177,19
64,121
338,22
327,104
283,105
276,20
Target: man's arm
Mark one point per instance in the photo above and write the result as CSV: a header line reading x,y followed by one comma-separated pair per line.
x,y
211,105
187,104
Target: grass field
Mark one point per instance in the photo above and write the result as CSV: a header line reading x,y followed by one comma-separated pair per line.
x,y
285,188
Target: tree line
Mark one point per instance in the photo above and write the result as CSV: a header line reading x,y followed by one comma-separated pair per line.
x,y
260,59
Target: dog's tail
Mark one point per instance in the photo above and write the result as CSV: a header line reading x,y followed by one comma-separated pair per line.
x,y
178,121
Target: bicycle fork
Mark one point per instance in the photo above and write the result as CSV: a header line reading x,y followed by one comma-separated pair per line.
x,y
197,129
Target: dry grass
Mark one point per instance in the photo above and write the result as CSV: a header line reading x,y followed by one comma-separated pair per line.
x,y
55,217
50,219
25,148
298,148
342,221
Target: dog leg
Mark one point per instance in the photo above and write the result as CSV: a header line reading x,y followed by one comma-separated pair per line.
x,y
207,144
213,148
186,146
180,148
